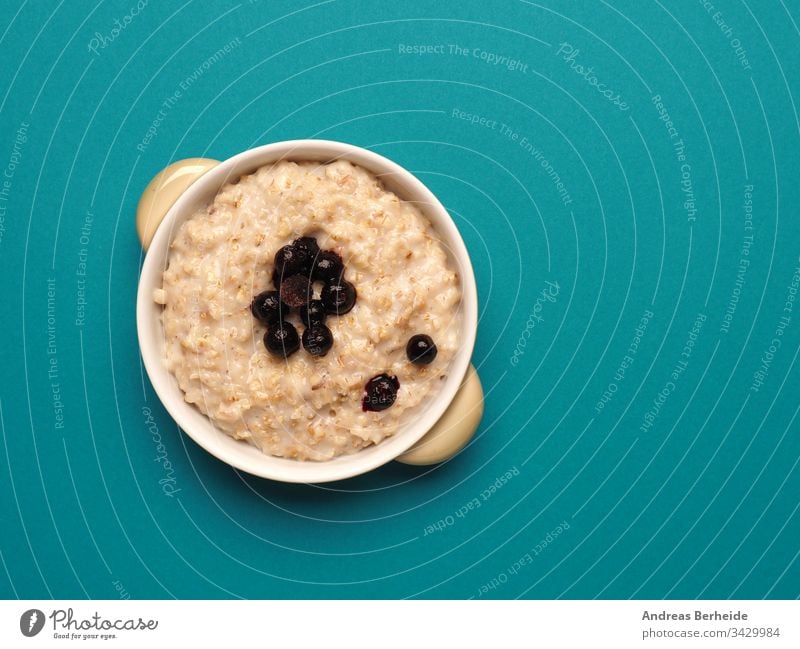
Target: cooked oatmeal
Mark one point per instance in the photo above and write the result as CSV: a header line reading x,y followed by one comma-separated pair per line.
x,y
304,406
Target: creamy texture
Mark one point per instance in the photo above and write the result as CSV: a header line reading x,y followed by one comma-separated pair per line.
x,y
307,407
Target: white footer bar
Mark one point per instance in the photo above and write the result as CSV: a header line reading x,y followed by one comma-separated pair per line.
x,y
390,624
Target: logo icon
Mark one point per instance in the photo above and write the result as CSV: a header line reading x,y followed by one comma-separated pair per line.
x,y
31,622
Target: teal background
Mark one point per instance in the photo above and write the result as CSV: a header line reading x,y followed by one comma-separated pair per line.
x,y
703,503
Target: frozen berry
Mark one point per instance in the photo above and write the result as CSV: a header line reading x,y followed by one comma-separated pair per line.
x,y
290,260
317,339
381,392
309,247
268,308
281,339
312,312
338,297
328,267
421,350
296,290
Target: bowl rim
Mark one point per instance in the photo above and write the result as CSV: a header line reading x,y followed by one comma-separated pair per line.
x,y
164,382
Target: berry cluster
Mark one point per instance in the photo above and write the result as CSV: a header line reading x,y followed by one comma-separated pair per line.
x,y
297,267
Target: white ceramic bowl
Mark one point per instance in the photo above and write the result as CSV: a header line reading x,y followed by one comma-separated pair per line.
x,y
245,456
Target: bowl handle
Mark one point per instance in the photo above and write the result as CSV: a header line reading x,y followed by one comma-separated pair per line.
x,y
455,427
164,189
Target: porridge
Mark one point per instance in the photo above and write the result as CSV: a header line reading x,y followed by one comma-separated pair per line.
x,y
308,310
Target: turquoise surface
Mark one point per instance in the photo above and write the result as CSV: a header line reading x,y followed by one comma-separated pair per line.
x,y
625,176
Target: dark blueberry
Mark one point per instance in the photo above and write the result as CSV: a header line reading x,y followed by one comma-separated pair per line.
x,y
296,290
381,392
268,308
312,313
309,247
328,267
291,260
317,339
421,350
339,297
281,339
